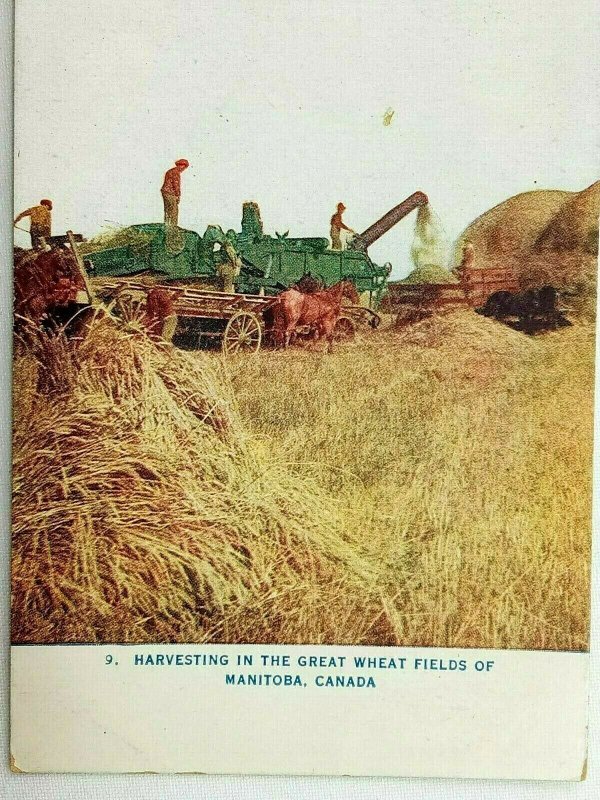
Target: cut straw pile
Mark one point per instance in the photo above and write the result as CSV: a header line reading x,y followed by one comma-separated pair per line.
x,y
429,273
144,512
115,237
481,334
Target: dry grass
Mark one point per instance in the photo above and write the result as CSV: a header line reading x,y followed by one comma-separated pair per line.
x,y
429,487
462,452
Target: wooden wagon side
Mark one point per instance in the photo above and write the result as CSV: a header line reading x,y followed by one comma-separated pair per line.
x,y
479,284
238,320
473,289
197,315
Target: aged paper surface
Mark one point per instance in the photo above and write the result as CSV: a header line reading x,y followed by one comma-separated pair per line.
x,y
186,718
303,388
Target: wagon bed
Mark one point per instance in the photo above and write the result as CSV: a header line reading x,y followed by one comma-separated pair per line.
x,y
472,290
237,319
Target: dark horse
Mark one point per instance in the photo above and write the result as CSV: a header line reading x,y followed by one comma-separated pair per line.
x,y
529,311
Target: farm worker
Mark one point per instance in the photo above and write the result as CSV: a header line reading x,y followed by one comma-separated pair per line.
x,y
231,268
40,223
171,194
337,226
468,256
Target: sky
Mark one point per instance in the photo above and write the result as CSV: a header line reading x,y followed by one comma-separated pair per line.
x,y
283,103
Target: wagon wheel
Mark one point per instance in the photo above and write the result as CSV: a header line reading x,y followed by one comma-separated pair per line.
x,y
131,310
242,334
344,329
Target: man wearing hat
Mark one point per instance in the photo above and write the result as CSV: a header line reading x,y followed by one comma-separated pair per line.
x,y
40,224
171,194
337,226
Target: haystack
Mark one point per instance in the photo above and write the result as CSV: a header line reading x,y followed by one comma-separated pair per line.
x,y
545,236
143,511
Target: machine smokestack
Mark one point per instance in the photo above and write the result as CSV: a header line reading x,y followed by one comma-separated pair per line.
x,y
252,226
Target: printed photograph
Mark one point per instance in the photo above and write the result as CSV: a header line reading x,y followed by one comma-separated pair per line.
x,y
304,329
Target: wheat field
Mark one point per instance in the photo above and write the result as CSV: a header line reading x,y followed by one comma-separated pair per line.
x,y
427,487
462,451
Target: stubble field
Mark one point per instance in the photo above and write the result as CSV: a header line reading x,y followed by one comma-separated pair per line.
x,y
461,451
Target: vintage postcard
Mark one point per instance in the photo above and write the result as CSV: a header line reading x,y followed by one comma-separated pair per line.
x,y
304,323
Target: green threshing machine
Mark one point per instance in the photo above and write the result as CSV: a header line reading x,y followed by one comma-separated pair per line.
x,y
256,263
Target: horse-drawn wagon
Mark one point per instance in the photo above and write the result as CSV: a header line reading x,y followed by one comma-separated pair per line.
x,y
195,318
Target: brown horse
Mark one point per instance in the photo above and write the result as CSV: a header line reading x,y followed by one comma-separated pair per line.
x,y
319,311
47,285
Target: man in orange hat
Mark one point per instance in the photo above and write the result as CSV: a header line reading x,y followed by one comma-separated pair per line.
x,y
171,194
171,191
40,224
337,226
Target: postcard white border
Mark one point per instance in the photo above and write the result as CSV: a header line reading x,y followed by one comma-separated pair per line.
x,y
522,714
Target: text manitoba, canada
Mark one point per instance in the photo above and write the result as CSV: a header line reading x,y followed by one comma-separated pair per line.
x,y
327,681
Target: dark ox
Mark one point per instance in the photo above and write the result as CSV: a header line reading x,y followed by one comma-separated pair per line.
x,y
529,311
319,311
